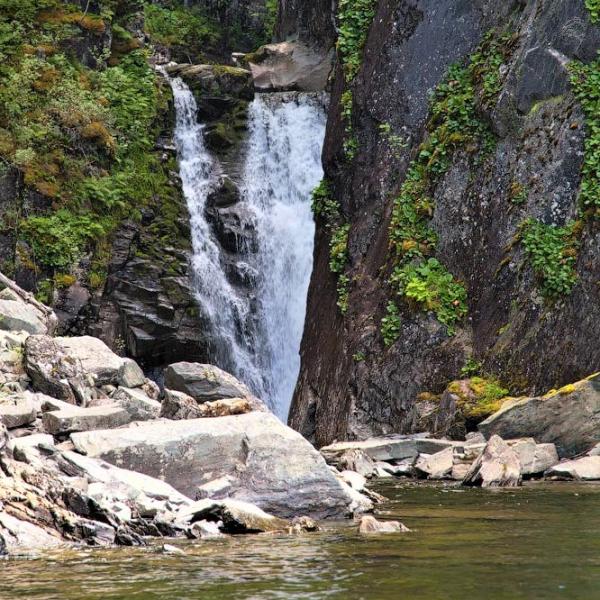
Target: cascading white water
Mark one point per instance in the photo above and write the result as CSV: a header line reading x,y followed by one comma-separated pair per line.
x,y
282,168
223,309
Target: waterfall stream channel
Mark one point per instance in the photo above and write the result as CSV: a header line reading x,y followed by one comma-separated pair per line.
x,y
255,330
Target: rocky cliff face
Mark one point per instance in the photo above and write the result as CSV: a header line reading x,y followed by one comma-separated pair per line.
x,y
459,213
94,218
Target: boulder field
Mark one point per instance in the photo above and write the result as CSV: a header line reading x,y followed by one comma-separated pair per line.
x,y
93,452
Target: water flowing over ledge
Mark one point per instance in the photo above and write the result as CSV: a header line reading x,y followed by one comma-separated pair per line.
x,y
257,335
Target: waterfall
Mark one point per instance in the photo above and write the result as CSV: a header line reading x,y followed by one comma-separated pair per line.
x,y
282,166
224,312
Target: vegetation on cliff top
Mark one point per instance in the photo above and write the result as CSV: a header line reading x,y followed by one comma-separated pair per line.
x,y
83,138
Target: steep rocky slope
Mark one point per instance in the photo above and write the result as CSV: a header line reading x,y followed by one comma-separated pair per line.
x,y
457,226
93,216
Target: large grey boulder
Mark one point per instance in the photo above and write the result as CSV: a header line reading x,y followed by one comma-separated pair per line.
x,y
75,418
204,383
498,466
96,359
534,458
568,418
585,468
435,466
19,316
290,66
52,371
270,465
139,406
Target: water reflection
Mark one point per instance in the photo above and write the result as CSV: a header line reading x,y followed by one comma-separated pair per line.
x,y
538,542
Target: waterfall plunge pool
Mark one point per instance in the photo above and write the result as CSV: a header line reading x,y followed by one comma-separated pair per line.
x,y
538,542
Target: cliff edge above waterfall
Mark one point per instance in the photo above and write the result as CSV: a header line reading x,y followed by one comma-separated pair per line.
x,y
457,231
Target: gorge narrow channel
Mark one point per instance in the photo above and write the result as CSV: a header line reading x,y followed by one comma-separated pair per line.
x,y
257,336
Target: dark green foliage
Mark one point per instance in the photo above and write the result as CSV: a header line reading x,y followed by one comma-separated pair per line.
x,y
354,17
323,205
552,252
83,139
176,25
58,240
585,81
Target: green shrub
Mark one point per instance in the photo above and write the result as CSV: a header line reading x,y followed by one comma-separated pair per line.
x,y
432,288
181,26
338,248
552,252
322,203
60,239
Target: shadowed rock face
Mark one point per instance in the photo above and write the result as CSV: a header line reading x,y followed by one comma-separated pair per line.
x,y
531,345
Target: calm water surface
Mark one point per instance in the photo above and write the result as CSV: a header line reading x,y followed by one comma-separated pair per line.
x,y
541,541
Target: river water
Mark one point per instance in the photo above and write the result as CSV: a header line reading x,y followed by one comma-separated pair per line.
x,y
539,542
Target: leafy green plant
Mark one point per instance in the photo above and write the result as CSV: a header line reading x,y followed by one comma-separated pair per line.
x,y
454,125
343,293
433,288
354,17
396,142
471,367
359,356
323,205
552,252
585,81
338,248
518,193
58,240
594,7
486,63
178,25
390,324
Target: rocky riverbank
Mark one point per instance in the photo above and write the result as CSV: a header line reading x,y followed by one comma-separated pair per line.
x,y
93,452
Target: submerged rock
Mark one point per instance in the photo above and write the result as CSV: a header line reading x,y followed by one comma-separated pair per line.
x,y
369,524
236,516
498,466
